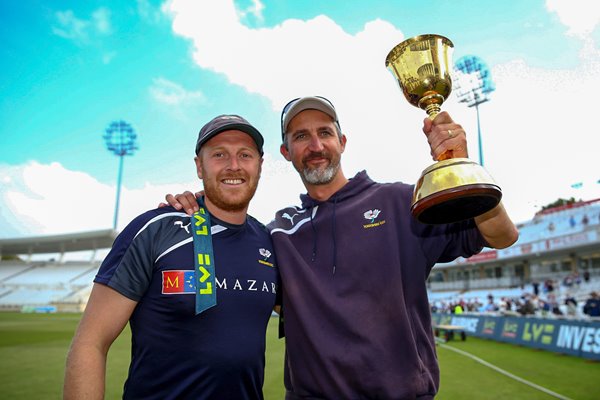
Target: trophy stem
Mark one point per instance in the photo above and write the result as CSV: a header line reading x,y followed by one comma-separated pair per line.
x,y
432,110
431,104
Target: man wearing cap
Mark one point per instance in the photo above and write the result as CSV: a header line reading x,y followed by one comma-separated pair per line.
x,y
354,264
198,292
592,305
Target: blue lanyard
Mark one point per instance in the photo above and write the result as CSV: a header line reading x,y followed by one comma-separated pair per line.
x,y
204,271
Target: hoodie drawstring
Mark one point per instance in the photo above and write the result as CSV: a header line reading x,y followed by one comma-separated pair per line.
x,y
333,224
314,250
333,227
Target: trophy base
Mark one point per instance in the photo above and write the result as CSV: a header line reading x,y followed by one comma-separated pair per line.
x,y
456,204
454,190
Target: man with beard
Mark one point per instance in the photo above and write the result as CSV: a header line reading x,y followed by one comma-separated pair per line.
x,y
354,265
198,292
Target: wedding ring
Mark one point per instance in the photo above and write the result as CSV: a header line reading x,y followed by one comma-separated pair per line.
x,y
450,135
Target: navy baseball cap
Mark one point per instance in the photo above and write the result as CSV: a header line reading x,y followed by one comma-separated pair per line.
x,y
224,123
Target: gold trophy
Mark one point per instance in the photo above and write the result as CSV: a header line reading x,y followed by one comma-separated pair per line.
x,y
452,189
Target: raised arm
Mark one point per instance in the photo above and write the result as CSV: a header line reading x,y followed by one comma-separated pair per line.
x,y
443,134
105,316
497,228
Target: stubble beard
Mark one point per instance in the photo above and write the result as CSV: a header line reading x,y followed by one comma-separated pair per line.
x,y
227,202
321,175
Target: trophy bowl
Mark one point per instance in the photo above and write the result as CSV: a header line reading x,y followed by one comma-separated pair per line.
x,y
452,189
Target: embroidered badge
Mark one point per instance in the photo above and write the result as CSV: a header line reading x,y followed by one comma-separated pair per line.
x,y
370,216
265,254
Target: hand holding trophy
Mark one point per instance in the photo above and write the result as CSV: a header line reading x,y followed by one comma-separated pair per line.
x,y
452,189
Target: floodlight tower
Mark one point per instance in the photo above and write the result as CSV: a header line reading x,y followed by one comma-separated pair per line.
x,y
120,139
473,85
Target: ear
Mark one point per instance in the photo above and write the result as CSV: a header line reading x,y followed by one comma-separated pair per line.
x,y
285,152
343,142
198,166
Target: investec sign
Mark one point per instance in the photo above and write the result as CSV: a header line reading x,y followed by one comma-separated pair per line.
x,y
585,339
578,338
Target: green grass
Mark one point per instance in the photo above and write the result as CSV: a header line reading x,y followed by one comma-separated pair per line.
x,y
33,349
464,378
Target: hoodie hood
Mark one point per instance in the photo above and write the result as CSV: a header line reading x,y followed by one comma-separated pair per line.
x,y
360,182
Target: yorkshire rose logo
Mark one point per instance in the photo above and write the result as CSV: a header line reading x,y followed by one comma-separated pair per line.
x,y
265,253
372,214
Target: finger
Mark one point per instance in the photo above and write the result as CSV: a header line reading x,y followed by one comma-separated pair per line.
x,y
442,118
160,205
456,145
173,202
188,201
199,194
427,125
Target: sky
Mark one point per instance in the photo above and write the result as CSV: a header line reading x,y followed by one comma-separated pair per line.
x,y
70,68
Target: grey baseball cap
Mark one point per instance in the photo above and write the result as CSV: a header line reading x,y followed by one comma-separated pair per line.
x,y
300,104
229,122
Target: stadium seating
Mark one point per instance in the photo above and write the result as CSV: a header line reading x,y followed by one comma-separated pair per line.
x,y
69,283
43,283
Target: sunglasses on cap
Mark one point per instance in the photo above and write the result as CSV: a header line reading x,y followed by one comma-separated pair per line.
x,y
319,103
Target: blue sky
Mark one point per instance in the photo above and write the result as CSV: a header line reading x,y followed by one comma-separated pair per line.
x,y
70,68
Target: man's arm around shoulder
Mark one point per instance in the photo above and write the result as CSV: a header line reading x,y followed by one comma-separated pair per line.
x,y
105,316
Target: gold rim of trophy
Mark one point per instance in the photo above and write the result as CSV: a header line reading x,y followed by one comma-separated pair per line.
x,y
401,47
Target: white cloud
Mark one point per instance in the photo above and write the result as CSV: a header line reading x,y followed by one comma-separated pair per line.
x,y
255,9
580,16
108,57
535,130
101,18
148,12
538,138
44,199
173,94
68,26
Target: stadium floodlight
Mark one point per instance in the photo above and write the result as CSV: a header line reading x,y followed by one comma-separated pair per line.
x,y
473,85
120,138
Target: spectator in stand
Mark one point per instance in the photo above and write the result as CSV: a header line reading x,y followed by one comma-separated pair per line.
x,y
528,308
585,220
502,305
577,279
458,309
548,286
509,303
553,306
490,306
586,276
571,304
568,281
543,307
592,305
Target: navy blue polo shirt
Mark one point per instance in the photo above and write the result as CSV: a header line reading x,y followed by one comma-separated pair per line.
x,y
218,354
